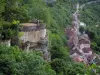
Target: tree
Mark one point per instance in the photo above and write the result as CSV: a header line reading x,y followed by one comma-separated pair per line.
x,y
13,10
9,11
67,67
13,61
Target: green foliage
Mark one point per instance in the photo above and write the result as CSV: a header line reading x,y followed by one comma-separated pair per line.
x,y
81,29
37,10
59,52
2,8
9,11
94,35
96,44
67,67
13,11
16,62
93,70
90,15
9,30
59,66
15,22
56,15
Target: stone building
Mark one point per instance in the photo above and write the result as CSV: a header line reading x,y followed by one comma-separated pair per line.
x,y
32,32
34,38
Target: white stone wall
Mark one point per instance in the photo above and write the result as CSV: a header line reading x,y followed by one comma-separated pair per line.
x,y
88,54
33,36
84,46
42,33
74,55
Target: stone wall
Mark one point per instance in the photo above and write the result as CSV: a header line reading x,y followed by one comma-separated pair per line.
x,y
5,42
33,36
36,40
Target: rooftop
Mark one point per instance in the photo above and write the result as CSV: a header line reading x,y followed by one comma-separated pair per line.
x,y
28,24
82,41
31,26
86,50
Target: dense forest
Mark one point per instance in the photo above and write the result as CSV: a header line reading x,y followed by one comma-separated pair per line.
x,y
57,15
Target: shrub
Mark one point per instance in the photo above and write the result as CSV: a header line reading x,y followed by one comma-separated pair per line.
x,y
16,62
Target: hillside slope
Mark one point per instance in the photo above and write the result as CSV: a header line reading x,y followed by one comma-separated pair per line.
x,y
57,15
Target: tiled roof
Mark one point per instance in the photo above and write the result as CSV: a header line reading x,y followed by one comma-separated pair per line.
x,y
28,24
31,27
75,51
82,41
78,59
89,58
86,50
69,32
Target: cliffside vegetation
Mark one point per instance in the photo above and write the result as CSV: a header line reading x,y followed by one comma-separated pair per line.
x,y
57,14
